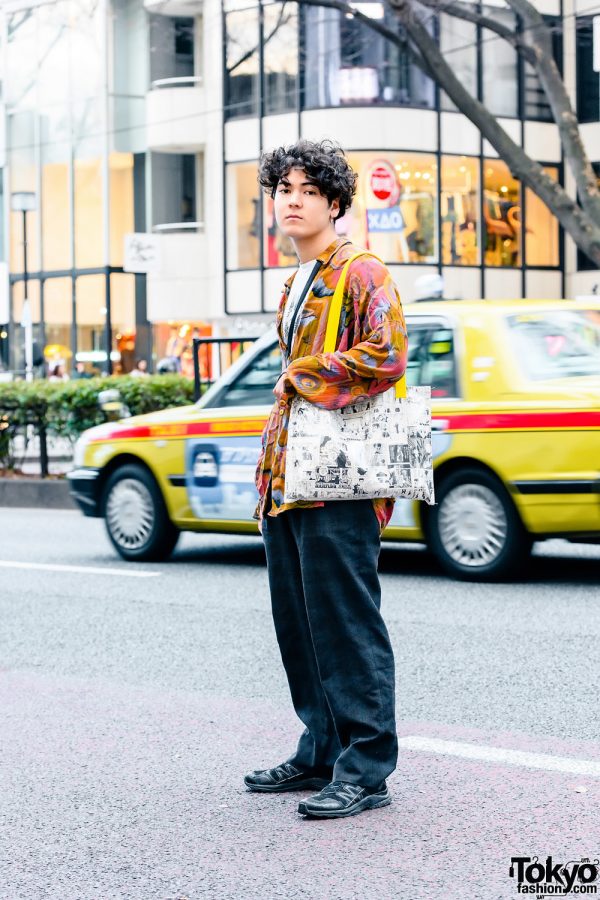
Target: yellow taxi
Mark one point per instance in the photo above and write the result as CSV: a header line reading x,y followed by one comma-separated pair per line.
x,y
516,441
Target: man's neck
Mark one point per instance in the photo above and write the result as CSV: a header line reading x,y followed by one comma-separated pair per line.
x,y
309,248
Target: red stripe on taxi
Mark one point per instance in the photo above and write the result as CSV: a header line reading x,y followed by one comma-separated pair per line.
x,y
216,427
524,421
521,421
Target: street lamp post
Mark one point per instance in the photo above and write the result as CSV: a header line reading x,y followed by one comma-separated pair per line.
x,y
24,202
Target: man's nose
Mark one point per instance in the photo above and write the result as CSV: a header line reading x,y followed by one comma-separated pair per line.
x,y
295,198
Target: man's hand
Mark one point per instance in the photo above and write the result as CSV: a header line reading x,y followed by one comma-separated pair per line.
x,y
283,389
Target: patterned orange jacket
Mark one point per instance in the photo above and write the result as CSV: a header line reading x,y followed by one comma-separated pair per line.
x,y
370,357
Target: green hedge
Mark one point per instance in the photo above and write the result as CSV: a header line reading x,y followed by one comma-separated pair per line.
x,y
65,409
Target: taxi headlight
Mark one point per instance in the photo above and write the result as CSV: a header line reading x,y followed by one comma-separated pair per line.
x,y
79,450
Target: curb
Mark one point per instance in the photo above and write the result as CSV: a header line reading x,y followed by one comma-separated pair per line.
x,y
34,493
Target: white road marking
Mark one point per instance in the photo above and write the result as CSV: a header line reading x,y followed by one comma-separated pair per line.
x,y
501,755
88,570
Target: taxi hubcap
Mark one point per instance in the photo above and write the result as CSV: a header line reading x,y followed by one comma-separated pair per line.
x,y
130,513
472,525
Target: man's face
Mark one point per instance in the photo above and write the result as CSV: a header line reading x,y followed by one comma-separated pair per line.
x,y
301,210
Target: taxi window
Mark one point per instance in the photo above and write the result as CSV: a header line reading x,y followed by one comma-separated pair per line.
x,y
557,344
254,385
431,358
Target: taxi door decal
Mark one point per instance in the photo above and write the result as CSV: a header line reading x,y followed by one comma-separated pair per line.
x,y
219,476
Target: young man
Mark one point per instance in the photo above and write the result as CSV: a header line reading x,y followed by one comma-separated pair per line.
x,y
322,557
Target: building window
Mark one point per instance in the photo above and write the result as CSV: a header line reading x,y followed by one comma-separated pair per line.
x,y
55,153
23,177
584,263
243,223
58,308
33,295
122,317
241,63
171,47
280,57
345,62
501,215
500,66
173,189
22,59
89,213
91,311
458,43
535,102
460,211
542,231
394,211
121,203
588,81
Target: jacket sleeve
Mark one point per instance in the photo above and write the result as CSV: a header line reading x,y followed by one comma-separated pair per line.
x,y
333,380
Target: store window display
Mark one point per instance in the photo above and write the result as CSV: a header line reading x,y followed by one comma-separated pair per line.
x,y
394,211
459,211
243,220
542,232
501,215
174,348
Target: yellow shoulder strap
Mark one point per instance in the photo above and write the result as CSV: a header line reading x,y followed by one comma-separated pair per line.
x,y
335,310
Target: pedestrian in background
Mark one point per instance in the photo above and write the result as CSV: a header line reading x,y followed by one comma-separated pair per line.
x,y
58,373
80,371
322,557
141,369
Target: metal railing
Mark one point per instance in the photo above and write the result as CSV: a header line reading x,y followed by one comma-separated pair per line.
x,y
219,354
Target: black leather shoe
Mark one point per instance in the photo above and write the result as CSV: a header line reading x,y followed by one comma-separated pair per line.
x,y
341,798
285,777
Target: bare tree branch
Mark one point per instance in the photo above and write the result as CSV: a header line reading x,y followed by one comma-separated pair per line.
x,y
375,25
581,225
280,21
580,220
468,13
538,36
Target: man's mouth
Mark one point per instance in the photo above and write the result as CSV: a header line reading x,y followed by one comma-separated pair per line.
x,y
293,217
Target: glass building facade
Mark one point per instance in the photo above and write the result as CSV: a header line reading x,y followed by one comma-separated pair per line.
x,y
127,116
62,147
438,209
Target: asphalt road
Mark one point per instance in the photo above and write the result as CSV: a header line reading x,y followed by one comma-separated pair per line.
x,y
133,698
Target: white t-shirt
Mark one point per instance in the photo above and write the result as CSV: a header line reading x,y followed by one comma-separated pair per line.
x,y
298,285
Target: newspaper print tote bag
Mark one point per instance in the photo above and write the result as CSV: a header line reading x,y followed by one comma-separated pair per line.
x,y
380,447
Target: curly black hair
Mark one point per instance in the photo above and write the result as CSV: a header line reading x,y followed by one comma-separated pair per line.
x,y
323,161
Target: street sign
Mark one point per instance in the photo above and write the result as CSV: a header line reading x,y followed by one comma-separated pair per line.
x,y
384,182
385,220
27,324
26,320
142,253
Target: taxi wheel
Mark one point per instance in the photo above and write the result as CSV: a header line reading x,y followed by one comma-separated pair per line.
x,y
475,530
136,517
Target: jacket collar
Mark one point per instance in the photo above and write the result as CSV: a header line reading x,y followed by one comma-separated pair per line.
x,y
325,257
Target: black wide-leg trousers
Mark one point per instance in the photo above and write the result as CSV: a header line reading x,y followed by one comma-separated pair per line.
x,y
325,595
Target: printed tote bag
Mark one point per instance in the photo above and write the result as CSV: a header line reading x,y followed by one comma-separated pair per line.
x,y
380,447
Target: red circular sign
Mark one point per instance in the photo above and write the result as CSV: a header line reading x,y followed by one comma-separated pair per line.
x,y
384,182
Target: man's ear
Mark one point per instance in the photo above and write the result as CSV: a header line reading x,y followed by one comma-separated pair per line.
x,y
334,209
